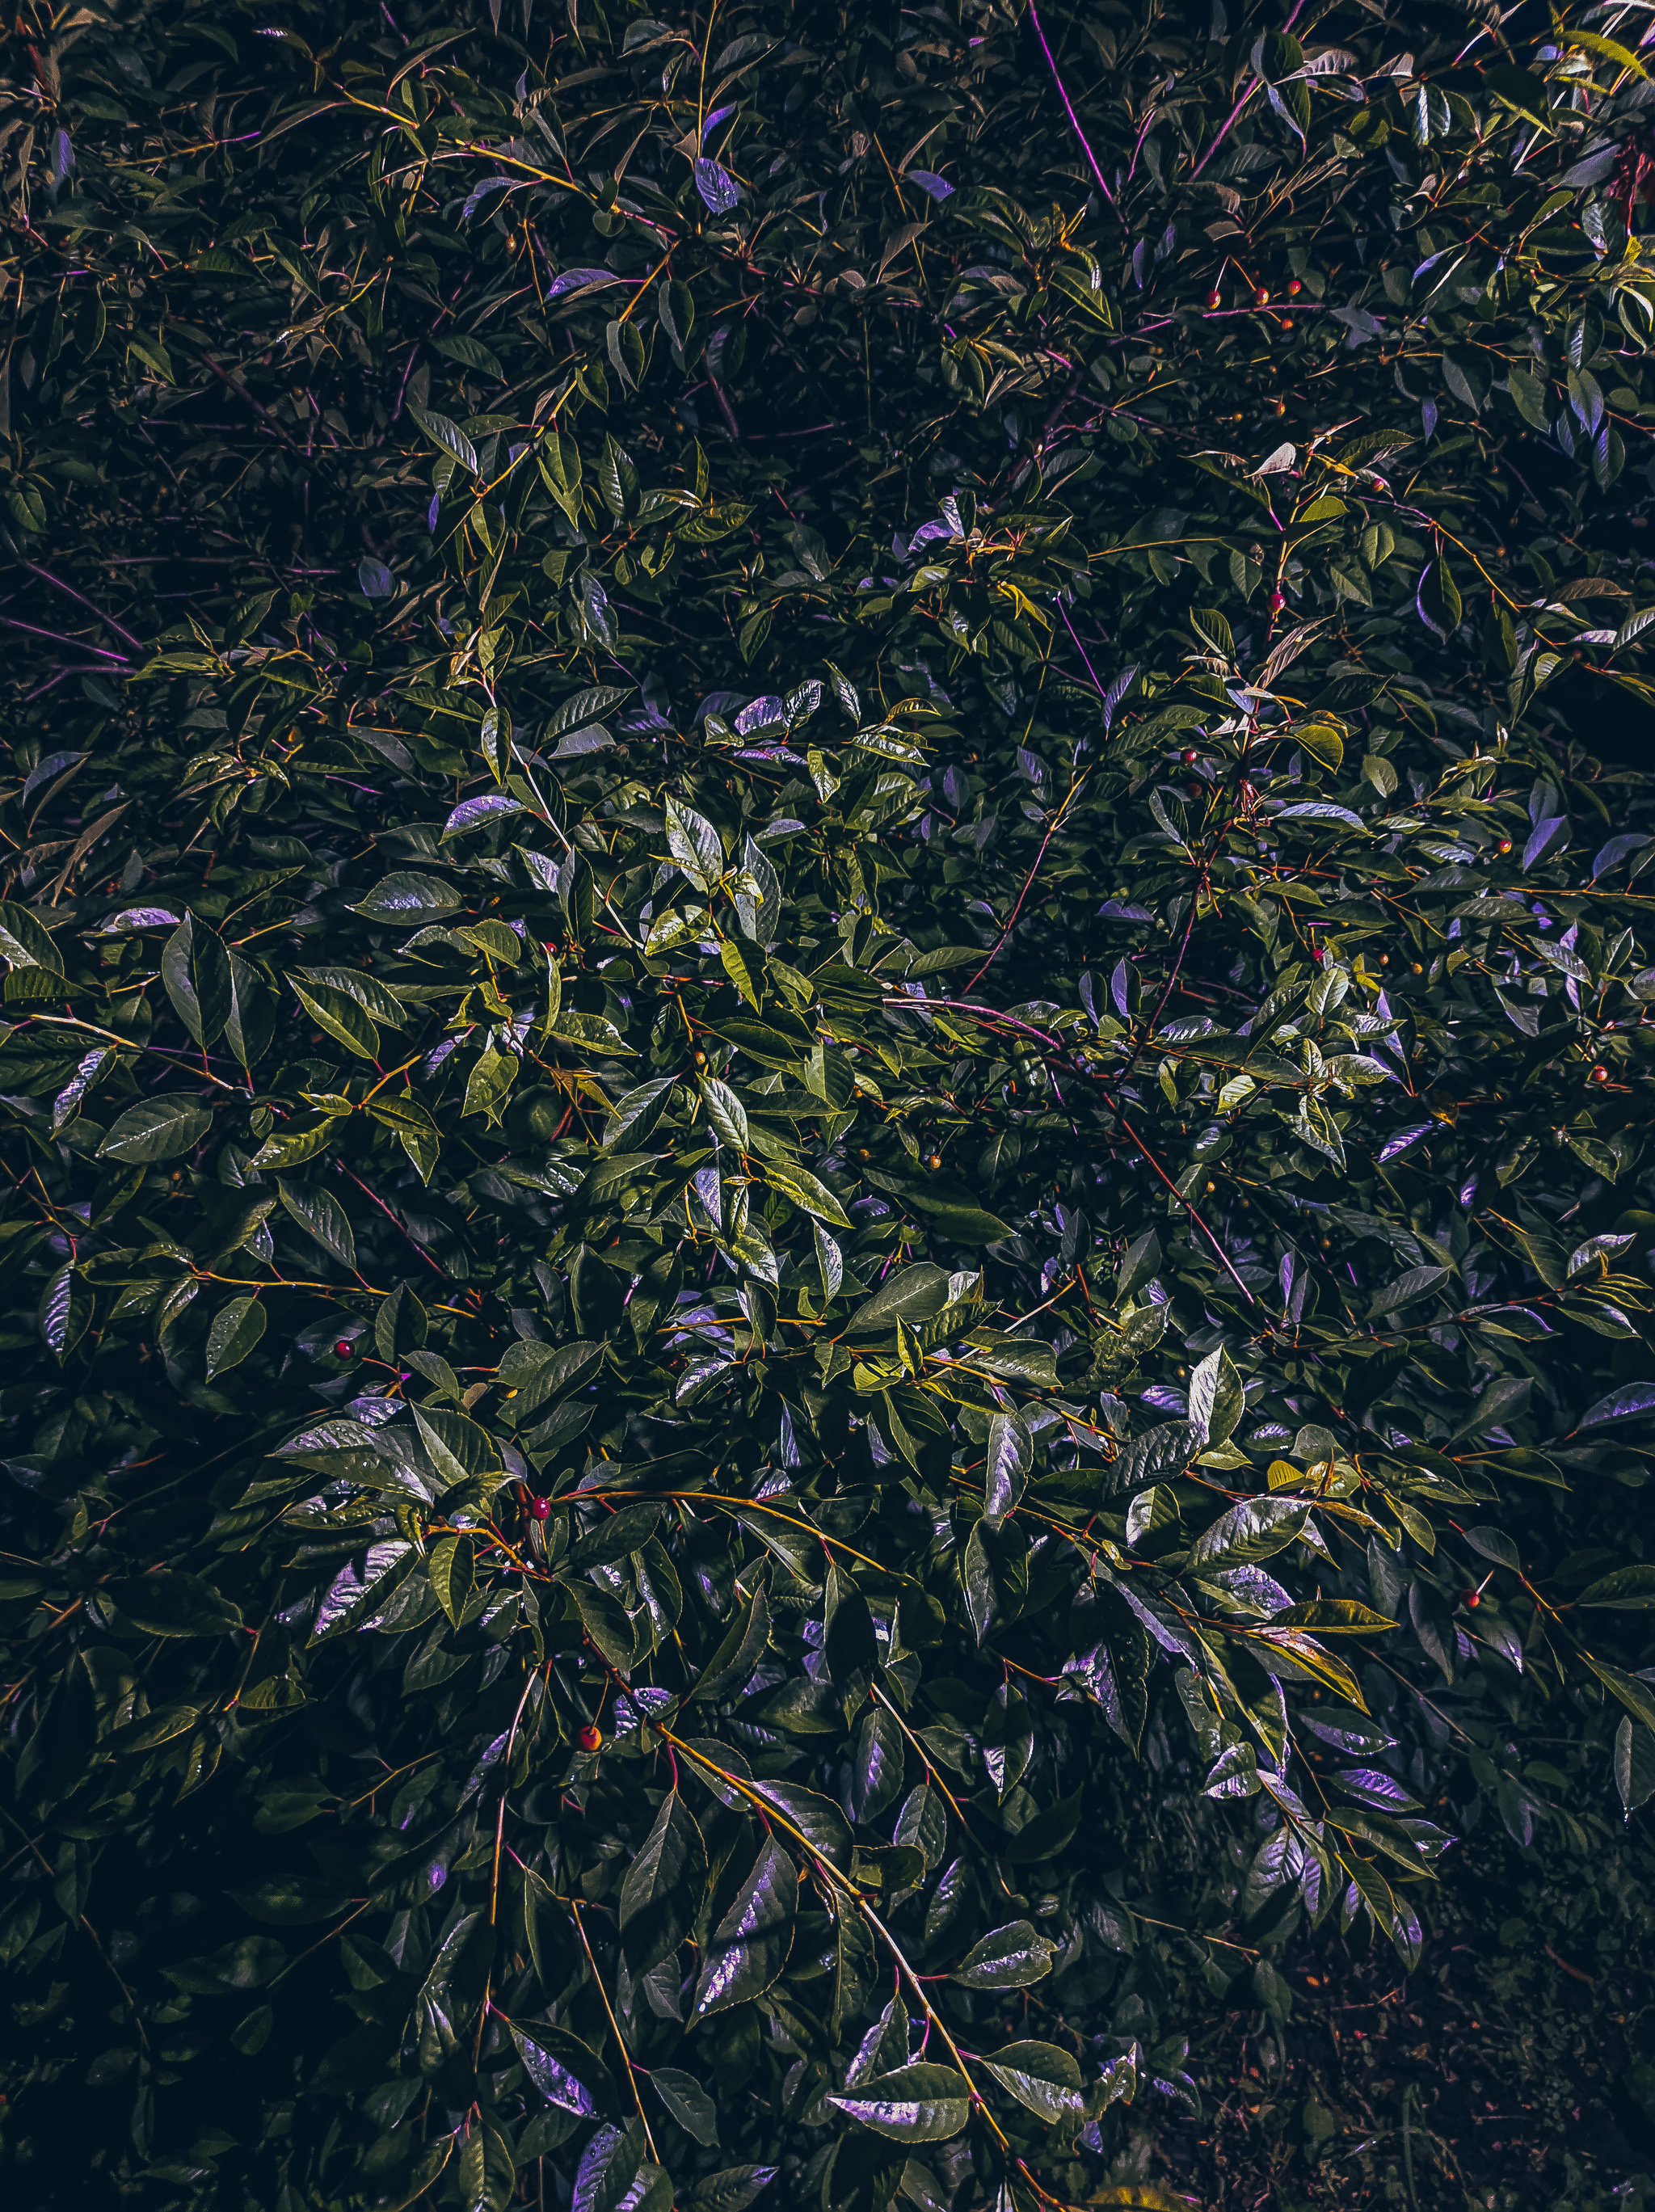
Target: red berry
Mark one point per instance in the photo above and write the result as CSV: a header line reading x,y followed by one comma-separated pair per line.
x,y
1471,1599
539,1508
342,1350
1276,602
1190,756
1261,298
1317,953
1215,299
1504,845
1294,289
1600,1075
591,1739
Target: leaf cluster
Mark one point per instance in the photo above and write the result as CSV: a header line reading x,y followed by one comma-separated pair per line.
x,y
841,1071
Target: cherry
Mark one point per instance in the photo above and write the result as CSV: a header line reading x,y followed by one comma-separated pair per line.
x,y
538,1508
1504,845
1276,602
1471,1599
1294,289
1215,299
1600,1075
342,1350
935,1162
1261,298
1189,757
591,1739
1319,953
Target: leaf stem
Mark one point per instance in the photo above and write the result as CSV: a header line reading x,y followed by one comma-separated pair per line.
x,y
620,2041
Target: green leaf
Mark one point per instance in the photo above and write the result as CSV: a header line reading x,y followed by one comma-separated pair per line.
x,y
169,1602
321,1216
1039,2075
1011,1958
1626,1588
1009,1456
749,1948
957,1218
195,971
237,1327
662,1891
806,1191
694,844
1332,1616
738,1653
814,1817
687,2102
1323,743
608,2167
403,899
459,1451
340,1016
452,1567
1634,1764
1254,1529
492,1076
731,2191
567,2073
157,1129
447,436
1417,1283
912,1294
604,1621
877,1765
415,1129
64,1310
724,1111
915,2104
289,1900
24,943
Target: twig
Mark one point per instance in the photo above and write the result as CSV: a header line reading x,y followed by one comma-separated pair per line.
x,y
632,2078
1133,1138
1028,882
1069,109
32,629
108,621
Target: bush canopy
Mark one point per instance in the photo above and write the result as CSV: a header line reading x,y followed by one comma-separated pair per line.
x,y
824,1019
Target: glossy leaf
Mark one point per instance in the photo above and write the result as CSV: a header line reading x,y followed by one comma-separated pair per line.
x,y
915,2104
1010,1957
749,1947
1039,2075
663,1886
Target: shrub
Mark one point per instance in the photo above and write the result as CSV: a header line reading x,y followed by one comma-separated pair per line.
x,y
825,1023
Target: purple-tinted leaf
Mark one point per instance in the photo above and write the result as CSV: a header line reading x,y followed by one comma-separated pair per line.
x,y
1542,837
1615,851
1629,1402
717,187
470,812
1393,1147
581,280
485,188
138,917
1370,1786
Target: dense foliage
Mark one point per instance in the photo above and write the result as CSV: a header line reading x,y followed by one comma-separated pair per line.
x,y
826,1058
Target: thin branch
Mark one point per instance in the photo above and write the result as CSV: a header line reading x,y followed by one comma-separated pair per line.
x,y
1069,109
